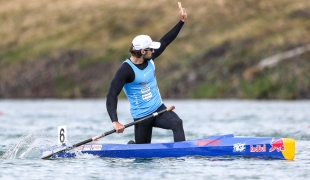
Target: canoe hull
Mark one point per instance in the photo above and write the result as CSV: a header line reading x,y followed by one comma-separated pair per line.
x,y
219,145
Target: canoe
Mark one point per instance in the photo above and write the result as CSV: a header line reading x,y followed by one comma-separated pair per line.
x,y
226,145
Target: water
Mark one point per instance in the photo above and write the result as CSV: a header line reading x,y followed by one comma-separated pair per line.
x,y
27,124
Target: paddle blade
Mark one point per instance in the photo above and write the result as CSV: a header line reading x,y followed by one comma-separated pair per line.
x,y
46,154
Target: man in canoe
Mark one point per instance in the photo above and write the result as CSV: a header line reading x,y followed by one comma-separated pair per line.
x,y
136,76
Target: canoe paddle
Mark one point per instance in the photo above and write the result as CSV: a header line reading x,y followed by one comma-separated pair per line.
x,y
108,133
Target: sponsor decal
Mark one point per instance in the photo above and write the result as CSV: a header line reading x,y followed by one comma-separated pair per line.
x,y
96,147
145,89
277,145
239,147
136,98
210,142
147,96
80,148
143,84
145,74
258,148
87,147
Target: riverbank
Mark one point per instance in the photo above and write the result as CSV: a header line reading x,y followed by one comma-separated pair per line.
x,y
56,49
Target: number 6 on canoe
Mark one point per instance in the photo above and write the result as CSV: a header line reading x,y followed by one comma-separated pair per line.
x,y
107,133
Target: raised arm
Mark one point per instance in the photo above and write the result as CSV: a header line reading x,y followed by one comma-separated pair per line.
x,y
182,12
172,34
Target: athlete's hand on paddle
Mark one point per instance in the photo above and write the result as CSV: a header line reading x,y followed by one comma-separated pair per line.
x,y
119,128
182,12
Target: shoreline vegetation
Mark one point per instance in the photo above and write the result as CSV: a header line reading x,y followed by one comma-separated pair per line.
x,y
226,49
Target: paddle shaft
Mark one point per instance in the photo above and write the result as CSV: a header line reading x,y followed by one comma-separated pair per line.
x,y
108,133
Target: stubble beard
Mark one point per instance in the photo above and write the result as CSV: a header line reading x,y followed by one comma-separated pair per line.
x,y
147,57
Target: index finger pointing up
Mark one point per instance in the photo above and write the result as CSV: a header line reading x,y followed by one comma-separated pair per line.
x,y
180,6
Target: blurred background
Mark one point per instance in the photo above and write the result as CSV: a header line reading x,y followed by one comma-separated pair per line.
x,y
247,49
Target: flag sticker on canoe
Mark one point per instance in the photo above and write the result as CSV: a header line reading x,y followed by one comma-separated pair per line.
x,y
239,147
80,148
258,148
277,145
87,147
96,147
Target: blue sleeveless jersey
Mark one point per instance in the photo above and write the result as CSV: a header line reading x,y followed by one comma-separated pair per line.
x,y
143,93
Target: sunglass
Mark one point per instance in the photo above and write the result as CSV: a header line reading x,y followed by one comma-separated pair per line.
x,y
149,49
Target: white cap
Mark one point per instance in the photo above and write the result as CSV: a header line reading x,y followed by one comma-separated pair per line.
x,y
143,42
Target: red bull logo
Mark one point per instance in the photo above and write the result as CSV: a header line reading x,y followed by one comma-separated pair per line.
x,y
277,145
258,148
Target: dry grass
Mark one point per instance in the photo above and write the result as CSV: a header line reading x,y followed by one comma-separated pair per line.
x,y
254,29
49,25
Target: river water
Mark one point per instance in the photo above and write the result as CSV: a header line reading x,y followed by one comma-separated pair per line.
x,y
27,124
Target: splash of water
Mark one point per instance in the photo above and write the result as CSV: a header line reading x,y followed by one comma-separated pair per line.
x,y
35,146
28,147
72,153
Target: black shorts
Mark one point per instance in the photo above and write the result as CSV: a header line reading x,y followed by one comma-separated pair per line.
x,y
167,120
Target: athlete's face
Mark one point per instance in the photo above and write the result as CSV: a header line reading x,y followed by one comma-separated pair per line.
x,y
148,53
